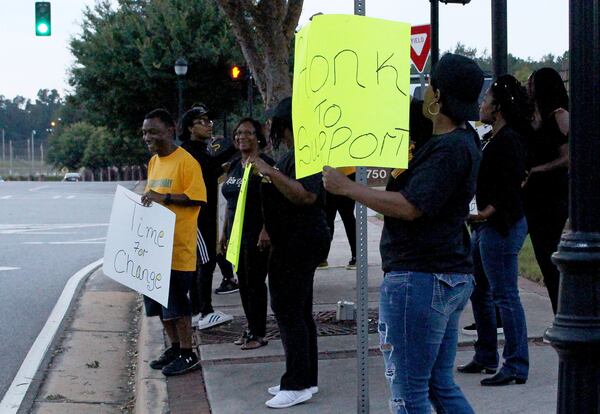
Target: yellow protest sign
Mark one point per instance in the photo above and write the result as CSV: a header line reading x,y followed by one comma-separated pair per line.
x,y
235,240
351,93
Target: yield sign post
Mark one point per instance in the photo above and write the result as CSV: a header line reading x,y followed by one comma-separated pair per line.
x,y
420,45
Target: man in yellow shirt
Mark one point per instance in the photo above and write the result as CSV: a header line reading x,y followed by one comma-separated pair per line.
x,y
175,181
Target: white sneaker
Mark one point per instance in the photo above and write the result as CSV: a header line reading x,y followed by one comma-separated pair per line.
x,y
285,399
275,389
212,319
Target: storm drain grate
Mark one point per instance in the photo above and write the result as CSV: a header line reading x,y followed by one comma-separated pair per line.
x,y
327,325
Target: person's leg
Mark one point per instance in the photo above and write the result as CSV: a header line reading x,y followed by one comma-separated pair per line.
x,y
445,395
500,260
290,290
256,290
486,346
346,208
414,310
545,231
205,278
225,266
313,350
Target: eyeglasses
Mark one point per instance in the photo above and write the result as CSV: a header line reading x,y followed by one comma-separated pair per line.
x,y
203,122
244,133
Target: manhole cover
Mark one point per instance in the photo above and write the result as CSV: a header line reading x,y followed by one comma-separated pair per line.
x,y
326,323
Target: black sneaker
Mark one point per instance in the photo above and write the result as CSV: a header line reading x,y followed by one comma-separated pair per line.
x,y
165,359
227,286
470,330
182,365
351,264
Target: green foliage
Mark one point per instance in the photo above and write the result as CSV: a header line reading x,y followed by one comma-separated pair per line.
x,y
520,68
125,57
73,144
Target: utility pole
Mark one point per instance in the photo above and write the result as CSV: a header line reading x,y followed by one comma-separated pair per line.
x,y
499,38
32,153
3,152
10,152
41,157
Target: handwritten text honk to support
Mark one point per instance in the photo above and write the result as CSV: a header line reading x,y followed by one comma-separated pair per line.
x,y
139,246
351,93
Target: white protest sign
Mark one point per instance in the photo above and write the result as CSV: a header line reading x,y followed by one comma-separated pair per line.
x,y
139,245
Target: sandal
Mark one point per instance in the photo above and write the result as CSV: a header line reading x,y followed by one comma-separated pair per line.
x,y
254,342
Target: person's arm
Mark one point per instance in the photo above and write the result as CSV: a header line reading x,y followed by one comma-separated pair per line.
x,y
165,199
562,120
291,189
388,203
482,215
223,240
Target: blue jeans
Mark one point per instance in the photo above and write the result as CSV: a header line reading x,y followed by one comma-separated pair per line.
x,y
496,275
418,331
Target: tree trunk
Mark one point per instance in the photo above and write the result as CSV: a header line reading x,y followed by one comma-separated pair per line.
x,y
265,31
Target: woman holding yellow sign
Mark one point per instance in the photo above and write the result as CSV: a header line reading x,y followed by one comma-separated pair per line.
x,y
254,247
295,220
425,246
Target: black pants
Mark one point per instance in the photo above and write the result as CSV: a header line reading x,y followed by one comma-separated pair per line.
x,y
345,205
546,224
252,273
201,291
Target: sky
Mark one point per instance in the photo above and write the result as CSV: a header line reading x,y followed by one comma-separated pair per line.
x,y
29,63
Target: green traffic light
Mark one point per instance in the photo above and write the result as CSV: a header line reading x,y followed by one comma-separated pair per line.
x,y
42,19
42,28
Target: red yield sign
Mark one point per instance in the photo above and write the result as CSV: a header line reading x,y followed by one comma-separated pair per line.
x,y
420,45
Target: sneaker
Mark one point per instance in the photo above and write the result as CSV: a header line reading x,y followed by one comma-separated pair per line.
x,y
351,264
242,339
254,342
471,330
275,389
212,319
165,359
323,265
181,365
285,399
227,286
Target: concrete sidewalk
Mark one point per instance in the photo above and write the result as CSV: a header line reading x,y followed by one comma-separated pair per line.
x,y
233,381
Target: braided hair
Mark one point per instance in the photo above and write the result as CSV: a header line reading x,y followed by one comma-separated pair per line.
x,y
513,102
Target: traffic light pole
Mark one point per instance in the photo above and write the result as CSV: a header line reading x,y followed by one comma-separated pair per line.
x,y
575,333
499,41
250,94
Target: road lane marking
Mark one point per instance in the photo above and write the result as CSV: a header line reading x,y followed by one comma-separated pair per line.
x,y
39,188
13,398
8,268
67,242
70,197
27,228
5,197
56,197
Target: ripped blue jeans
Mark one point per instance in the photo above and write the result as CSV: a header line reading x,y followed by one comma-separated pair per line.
x,y
418,331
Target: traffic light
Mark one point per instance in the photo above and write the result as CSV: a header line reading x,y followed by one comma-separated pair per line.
x,y
43,24
236,72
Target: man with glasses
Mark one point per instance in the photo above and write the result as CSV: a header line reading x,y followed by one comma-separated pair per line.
x,y
196,135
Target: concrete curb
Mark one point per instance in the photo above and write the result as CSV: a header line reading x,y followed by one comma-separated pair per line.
x,y
150,385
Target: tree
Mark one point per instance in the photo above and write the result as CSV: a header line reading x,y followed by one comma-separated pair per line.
x,y
264,30
124,64
67,148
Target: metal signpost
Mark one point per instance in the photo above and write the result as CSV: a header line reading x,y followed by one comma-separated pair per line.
x,y
362,278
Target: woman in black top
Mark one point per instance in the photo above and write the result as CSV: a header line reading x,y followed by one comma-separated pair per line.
x,y
254,251
547,187
498,232
295,220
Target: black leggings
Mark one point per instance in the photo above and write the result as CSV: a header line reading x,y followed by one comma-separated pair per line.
x,y
252,273
345,205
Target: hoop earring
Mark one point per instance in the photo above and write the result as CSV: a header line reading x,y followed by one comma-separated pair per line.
x,y
430,111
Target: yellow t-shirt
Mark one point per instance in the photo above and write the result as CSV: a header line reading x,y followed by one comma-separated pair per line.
x,y
346,170
180,173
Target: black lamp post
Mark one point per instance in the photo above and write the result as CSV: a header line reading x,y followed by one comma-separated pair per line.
x,y
499,41
181,68
575,333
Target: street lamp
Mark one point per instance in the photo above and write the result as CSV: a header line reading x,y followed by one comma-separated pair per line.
x,y
181,68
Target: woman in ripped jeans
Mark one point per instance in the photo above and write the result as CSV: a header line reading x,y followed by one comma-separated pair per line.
x,y
425,246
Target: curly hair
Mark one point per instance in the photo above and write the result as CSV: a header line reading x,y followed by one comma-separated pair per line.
x,y
513,102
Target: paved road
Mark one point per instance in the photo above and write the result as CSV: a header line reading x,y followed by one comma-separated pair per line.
x,y
48,231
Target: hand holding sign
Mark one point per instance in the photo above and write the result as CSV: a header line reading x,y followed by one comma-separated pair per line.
x,y
351,93
139,245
